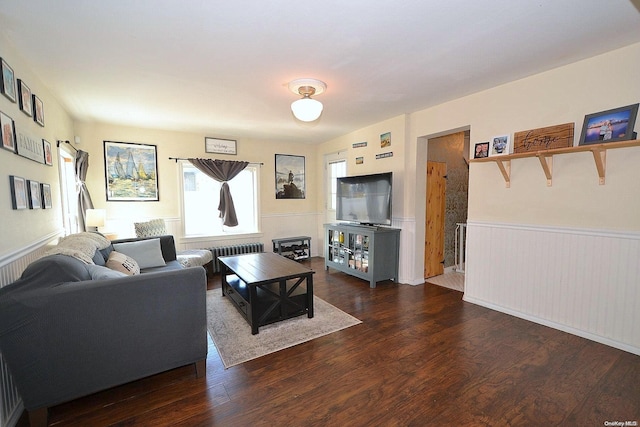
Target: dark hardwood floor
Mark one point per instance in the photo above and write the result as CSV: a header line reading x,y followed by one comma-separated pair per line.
x,y
421,357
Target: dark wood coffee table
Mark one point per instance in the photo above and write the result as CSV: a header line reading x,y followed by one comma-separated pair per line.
x,y
266,287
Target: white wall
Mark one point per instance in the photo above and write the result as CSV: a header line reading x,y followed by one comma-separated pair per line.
x,y
558,255
279,218
21,228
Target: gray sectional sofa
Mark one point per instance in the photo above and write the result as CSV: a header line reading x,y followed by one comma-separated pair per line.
x,y
67,329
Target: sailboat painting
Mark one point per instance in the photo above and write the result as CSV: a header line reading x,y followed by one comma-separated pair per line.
x,y
131,171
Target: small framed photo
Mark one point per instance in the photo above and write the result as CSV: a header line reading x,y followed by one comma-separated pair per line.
x,y
8,85
481,151
38,111
45,191
25,95
220,146
35,199
500,145
48,154
385,140
18,192
8,131
609,126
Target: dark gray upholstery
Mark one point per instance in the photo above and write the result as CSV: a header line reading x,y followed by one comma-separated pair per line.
x,y
64,336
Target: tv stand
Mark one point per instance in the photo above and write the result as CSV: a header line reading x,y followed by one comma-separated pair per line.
x,y
369,252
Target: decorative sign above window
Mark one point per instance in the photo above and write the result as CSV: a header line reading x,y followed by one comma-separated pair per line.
x,y
220,146
559,136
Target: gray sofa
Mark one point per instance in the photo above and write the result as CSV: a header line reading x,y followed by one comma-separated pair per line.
x,y
65,335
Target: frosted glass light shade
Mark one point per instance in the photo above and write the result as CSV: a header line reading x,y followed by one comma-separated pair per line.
x,y
306,109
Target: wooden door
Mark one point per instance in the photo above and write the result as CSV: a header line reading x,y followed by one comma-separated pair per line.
x,y
434,235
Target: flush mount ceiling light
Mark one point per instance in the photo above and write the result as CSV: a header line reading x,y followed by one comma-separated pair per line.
x,y
307,109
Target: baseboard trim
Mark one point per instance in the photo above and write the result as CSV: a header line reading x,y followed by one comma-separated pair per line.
x,y
559,326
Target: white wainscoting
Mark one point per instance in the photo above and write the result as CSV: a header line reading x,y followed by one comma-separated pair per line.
x,y
11,267
585,282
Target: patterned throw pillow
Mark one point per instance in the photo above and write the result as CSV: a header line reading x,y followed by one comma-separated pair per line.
x,y
153,228
120,262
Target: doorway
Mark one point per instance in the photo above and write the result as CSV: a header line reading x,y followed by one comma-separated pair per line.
x,y
446,200
68,194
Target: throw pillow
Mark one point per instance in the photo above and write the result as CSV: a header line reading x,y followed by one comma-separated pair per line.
x,y
147,253
99,272
120,262
153,228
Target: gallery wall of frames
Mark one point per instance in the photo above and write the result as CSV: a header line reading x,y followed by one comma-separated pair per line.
x,y
25,193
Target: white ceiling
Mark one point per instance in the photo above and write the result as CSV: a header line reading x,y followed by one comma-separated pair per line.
x,y
221,68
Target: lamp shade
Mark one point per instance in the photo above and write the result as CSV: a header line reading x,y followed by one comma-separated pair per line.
x,y
306,109
95,217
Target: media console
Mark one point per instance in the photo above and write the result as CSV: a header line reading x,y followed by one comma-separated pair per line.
x,y
368,252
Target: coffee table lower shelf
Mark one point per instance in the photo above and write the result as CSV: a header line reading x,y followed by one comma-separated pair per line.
x,y
267,307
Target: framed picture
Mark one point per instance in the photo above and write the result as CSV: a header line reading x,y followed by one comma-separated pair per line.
x,y
29,147
35,200
45,191
482,150
48,155
220,146
8,131
131,172
290,180
385,140
38,110
18,192
500,145
24,94
609,126
8,85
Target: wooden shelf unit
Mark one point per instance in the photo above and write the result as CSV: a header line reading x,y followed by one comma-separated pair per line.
x,y
599,152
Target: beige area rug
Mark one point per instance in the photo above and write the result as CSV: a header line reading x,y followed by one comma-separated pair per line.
x,y
232,334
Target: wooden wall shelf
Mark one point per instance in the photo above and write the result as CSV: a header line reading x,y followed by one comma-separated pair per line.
x,y
599,152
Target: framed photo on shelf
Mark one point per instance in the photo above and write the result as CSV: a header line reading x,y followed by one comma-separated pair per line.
x,y
609,126
8,85
290,179
500,145
38,111
18,192
8,131
45,191
131,172
25,96
481,150
35,200
220,146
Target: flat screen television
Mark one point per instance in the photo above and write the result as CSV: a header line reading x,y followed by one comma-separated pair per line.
x,y
364,199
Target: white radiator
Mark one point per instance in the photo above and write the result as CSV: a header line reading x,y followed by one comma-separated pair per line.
x,y
585,282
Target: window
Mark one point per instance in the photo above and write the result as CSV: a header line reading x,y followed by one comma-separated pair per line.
x,y
201,196
335,169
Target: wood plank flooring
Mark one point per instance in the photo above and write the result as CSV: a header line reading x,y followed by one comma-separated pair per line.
x,y
421,357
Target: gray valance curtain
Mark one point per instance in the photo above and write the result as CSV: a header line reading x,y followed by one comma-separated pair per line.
x,y
84,198
222,171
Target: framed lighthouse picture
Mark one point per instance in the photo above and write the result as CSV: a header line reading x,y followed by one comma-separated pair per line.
x,y
131,172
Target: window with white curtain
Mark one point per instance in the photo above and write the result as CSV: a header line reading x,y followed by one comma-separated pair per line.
x,y
201,196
